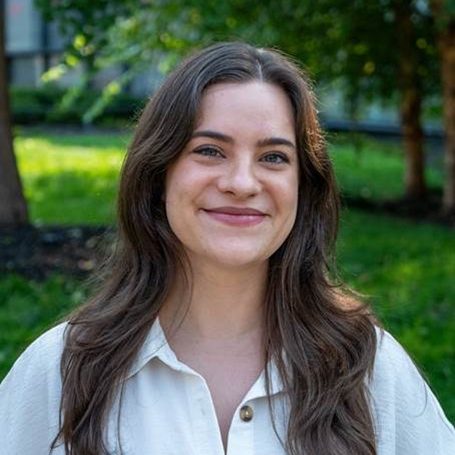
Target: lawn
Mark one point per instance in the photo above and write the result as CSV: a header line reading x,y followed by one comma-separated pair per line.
x,y
374,169
81,171
405,269
406,272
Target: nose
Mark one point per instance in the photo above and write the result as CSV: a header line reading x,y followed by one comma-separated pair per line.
x,y
240,179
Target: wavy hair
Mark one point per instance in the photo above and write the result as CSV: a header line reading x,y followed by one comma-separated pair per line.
x,y
322,340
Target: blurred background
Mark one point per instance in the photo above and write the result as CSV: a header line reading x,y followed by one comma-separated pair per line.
x,y
75,74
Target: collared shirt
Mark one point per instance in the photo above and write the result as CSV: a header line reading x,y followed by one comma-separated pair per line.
x,y
167,409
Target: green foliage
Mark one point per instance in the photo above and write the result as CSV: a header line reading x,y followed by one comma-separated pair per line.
x,y
30,105
55,105
84,22
335,39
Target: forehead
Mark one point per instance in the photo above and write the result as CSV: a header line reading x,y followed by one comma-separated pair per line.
x,y
246,105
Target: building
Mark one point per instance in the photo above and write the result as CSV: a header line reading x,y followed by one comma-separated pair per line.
x,y
32,44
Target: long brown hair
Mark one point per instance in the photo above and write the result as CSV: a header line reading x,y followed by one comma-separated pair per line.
x,y
323,345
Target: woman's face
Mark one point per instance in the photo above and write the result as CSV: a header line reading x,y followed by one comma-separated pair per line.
x,y
231,196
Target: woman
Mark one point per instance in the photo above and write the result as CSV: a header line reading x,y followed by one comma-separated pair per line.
x,y
217,329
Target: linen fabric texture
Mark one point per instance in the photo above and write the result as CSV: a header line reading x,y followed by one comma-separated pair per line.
x,y
167,409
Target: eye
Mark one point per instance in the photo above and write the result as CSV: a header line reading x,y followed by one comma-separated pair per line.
x,y
208,151
275,158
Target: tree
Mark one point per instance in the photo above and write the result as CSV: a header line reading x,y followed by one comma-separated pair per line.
x,y
379,50
85,23
13,208
444,14
412,95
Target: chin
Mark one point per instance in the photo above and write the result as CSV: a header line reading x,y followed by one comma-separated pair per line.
x,y
237,265
237,259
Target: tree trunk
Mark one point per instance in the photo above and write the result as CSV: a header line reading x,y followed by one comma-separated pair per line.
x,y
411,103
446,41
13,208
414,178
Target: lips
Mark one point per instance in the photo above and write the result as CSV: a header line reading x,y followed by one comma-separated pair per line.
x,y
236,216
236,211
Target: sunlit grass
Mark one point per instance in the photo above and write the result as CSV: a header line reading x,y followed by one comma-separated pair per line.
x,y
70,183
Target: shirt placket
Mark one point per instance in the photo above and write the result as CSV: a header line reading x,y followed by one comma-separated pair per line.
x,y
241,431
203,417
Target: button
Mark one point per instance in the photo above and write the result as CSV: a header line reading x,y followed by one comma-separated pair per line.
x,y
246,413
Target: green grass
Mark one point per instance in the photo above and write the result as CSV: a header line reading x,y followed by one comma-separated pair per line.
x,y
28,308
375,170
406,271
70,179
405,268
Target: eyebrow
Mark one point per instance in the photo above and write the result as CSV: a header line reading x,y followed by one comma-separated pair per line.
x,y
228,139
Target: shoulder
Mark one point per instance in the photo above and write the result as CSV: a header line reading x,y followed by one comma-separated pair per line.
x,y
407,413
41,357
30,396
51,341
390,356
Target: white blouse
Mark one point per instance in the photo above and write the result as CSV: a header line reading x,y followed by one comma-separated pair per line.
x,y
167,408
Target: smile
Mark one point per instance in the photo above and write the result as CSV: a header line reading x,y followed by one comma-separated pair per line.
x,y
234,216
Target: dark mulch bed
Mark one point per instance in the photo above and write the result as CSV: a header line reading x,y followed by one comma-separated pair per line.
x,y
37,252
428,210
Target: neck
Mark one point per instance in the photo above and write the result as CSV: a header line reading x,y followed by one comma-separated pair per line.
x,y
221,304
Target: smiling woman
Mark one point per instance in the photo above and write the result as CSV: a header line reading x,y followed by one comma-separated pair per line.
x,y
239,170
216,329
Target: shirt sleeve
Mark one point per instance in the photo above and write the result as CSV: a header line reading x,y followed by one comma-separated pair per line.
x,y
30,398
409,420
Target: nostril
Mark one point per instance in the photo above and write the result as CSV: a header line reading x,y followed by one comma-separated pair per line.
x,y
240,178
240,183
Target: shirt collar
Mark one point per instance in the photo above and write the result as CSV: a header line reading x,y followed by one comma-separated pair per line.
x,y
156,346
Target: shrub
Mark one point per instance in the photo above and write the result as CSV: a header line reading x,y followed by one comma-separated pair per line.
x,y
44,105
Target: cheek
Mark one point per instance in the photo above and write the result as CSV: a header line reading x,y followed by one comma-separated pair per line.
x,y
176,217
289,204
171,197
182,186
171,179
293,192
287,195
175,183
